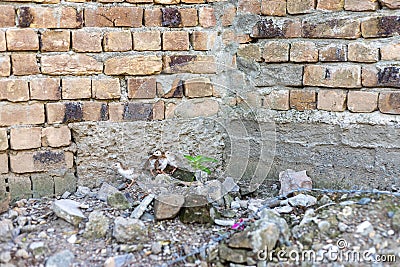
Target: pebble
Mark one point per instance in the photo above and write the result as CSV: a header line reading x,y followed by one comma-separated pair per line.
x,y
72,239
224,222
6,230
63,258
390,214
364,228
235,205
38,248
364,201
284,209
119,261
302,200
156,248
12,214
22,253
66,195
82,191
342,227
390,232
324,226
5,256
139,210
68,210
42,235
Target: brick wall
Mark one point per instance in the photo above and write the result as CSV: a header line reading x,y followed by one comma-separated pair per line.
x,y
67,62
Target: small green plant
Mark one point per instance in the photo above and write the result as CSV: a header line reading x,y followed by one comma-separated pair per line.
x,y
197,162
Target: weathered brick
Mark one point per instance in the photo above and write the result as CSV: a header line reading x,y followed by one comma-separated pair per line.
x,y
5,66
22,40
207,17
95,111
198,87
133,65
142,88
76,88
389,102
114,16
86,41
171,17
390,51
332,100
24,64
56,137
333,53
167,2
138,1
176,40
3,44
203,41
14,114
42,185
189,63
152,17
277,28
392,4
303,52
333,5
276,52
300,6
361,5
20,187
285,75
131,112
64,183
249,6
196,108
361,52
229,14
55,41
158,110
3,139
3,163
14,90
65,64
344,28
55,112
273,7
385,76
250,51
25,138
116,109
26,162
303,100
170,110
278,100
386,26
177,89
361,101
150,40
189,17
193,1
49,17
7,16
333,76
117,41
106,88
45,89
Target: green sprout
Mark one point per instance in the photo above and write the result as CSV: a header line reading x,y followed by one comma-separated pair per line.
x,y
197,162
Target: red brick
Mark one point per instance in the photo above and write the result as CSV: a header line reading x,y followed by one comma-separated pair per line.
x,y
361,5
277,28
95,111
117,41
332,5
64,64
249,6
361,52
3,163
189,17
22,40
166,2
76,88
158,110
5,66
229,14
131,112
152,17
337,28
361,101
203,41
300,6
14,90
3,139
303,52
133,65
86,41
190,64
332,100
383,76
150,40
55,41
108,88
55,112
207,17
142,87
3,44
56,137
15,114
7,16
176,41
385,26
389,102
25,138
49,17
24,64
333,53
114,16
276,52
303,100
332,76
45,89
390,51
273,8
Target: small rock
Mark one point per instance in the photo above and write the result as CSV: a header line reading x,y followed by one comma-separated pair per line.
x,y
12,214
324,226
22,220
342,227
97,225
119,261
196,210
364,201
325,200
302,200
63,258
68,210
291,180
139,210
201,176
269,216
5,256
84,206
229,185
309,216
212,190
224,222
156,248
22,253
228,213
6,229
168,206
147,217
118,201
235,205
42,235
232,255
65,195
364,228
284,209
390,232
72,239
82,191
347,203
38,248
105,191
390,214
255,204
129,230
